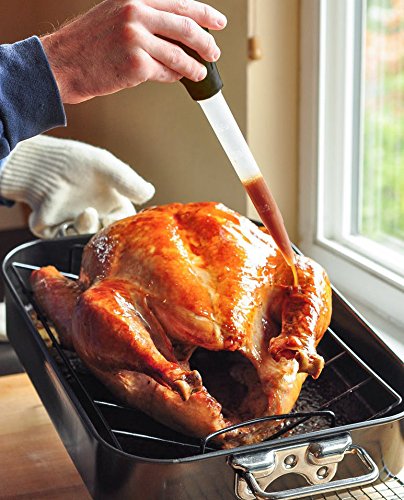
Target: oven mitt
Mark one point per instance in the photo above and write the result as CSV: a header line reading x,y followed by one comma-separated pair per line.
x,y
70,186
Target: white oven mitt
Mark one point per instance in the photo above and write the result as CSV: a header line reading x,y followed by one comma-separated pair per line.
x,y
72,187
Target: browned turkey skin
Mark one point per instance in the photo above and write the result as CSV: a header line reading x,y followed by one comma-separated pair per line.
x,y
188,312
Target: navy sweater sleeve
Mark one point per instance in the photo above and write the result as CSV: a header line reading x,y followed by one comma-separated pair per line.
x,y
29,97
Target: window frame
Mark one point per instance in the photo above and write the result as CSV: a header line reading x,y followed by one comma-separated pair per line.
x,y
324,184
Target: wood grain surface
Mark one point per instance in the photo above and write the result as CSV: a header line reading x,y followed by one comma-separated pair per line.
x,y
33,461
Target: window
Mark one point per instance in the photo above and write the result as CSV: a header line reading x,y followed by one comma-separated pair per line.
x,y
380,192
352,148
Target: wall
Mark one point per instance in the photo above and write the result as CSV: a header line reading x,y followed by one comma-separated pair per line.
x,y
161,132
156,128
272,102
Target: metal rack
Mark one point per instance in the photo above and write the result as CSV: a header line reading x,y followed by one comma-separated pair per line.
x,y
391,488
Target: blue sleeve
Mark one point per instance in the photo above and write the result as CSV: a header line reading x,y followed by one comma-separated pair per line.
x,y
29,97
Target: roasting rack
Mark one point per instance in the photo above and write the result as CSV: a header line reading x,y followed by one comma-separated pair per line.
x,y
342,398
389,488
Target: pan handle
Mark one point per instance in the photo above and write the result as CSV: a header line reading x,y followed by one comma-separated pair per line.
x,y
317,462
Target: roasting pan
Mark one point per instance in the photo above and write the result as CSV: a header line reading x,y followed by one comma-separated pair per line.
x,y
349,432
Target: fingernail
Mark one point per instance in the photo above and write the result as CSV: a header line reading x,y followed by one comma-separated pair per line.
x,y
202,74
216,54
221,22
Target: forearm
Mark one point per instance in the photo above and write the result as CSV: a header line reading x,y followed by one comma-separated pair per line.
x,y
29,98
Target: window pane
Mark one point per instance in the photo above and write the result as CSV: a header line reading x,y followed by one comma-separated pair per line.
x,y
381,215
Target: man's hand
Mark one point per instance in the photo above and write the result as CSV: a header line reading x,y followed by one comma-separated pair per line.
x,y
71,185
118,44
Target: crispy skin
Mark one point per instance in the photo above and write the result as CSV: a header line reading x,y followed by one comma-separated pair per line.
x,y
156,286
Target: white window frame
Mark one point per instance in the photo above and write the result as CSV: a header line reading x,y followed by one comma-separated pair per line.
x,y
325,161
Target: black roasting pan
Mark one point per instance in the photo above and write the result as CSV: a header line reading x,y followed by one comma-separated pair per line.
x,y
123,454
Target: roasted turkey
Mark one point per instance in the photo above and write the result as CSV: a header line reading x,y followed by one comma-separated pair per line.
x,y
188,312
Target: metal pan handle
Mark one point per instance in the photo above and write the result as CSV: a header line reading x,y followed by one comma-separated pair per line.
x,y
317,462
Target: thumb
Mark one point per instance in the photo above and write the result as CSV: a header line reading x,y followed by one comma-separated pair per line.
x,y
129,183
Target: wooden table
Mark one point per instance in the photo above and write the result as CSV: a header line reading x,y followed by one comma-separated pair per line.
x,y
33,461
